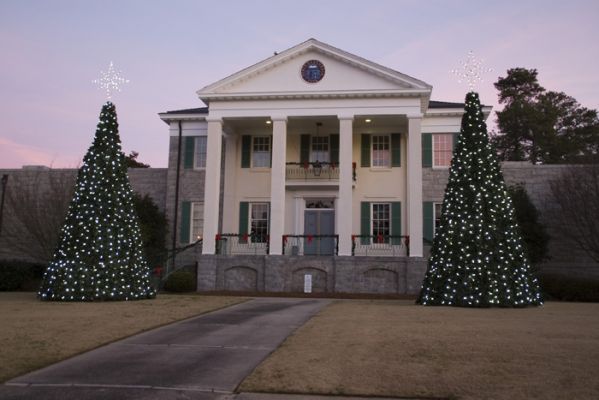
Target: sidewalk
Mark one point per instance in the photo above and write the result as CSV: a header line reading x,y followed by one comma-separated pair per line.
x,y
202,358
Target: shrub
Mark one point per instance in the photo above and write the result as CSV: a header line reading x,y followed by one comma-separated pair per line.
x,y
20,275
565,288
180,281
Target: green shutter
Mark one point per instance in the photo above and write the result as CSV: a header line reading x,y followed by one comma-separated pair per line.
x,y
395,150
428,220
185,222
334,139
246,151
456,137
189,152
304,149
396,221
427,150
244,208
365,222
365,159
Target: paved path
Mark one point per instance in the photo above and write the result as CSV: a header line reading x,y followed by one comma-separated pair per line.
x,y
203,358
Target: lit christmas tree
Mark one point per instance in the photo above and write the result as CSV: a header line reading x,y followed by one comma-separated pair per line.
x,y
477,258
100,252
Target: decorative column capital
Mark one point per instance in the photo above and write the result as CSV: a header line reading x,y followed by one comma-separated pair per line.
x,y
414,116
214,119
345,117
278,118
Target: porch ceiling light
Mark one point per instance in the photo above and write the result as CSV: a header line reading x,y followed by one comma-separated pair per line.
x,y
268,122
368,120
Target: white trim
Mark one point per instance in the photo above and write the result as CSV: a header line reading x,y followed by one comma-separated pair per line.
x,y
413,84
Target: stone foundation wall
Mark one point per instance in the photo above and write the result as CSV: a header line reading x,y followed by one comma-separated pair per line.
x,y
381,275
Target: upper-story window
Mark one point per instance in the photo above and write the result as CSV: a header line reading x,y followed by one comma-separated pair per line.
x,y
319,149
381,155
261,151
200,151
442,149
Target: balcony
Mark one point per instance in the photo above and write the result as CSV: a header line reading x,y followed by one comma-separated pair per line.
x,y
241,244
314,171
310,245
381,245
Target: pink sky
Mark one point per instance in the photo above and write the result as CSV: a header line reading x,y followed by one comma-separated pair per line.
x,y
52,50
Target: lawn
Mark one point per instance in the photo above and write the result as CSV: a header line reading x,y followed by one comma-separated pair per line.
x,y
398,349
35,334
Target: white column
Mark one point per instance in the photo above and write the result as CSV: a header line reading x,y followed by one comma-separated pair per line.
x,y
212,185
230,175
344,204
414,185
277,184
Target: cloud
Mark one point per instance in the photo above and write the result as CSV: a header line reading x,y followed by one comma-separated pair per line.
x,y
13,153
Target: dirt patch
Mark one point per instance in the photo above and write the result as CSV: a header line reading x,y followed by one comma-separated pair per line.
x,y
35,334
398,349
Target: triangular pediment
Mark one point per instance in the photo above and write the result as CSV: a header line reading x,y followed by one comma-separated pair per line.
x,y
345,74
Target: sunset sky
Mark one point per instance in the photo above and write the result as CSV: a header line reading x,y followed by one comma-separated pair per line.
x,y
52,50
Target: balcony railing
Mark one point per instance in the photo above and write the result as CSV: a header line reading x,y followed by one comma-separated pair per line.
x,y
381,245
311,245
235,243
312,171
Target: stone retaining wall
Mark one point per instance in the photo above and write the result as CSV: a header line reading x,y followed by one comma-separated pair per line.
x,y
343,274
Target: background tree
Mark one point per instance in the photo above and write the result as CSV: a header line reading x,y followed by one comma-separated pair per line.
x,y
153,224
100,252
542,126
477,258
533,231
131,161
576,194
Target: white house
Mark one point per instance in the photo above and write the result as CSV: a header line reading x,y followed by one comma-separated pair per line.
x,y
311,152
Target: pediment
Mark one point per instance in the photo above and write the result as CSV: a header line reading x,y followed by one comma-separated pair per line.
x,y
344,74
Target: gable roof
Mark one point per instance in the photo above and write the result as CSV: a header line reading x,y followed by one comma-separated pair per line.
x,y
406,85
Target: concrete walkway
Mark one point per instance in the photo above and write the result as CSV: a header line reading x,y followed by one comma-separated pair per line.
x,y
202,358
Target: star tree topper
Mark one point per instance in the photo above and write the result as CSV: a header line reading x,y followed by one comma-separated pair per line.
x,y
471,72
111,81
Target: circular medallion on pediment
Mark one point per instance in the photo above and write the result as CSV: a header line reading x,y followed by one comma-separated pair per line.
x,y
312,71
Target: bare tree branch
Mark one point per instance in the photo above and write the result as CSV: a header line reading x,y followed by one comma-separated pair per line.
x,y
576,194
36,205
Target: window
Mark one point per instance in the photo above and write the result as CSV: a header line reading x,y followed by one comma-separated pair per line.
x,y
261,152
442,149
381,220
380,151
319,150
200,151
259,222
437,216
197,221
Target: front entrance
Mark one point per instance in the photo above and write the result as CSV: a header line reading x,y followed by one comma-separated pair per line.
x,y
319,222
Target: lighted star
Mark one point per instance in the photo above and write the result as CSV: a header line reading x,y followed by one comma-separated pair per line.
x,y
471,72
111,81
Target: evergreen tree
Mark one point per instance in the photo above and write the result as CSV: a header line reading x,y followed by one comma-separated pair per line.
x,y
100,252
477,258
542,126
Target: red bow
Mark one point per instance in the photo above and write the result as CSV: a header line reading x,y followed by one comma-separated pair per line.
x,y
379,239
310,237
217,237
